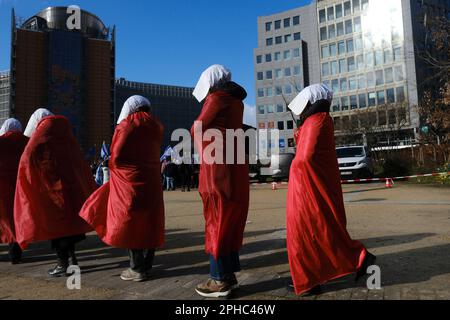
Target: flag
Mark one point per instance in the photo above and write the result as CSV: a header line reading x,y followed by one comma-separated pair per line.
x,y
104,153
167,153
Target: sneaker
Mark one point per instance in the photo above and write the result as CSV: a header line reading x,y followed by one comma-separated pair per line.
x,y
58,271
131,275
214,289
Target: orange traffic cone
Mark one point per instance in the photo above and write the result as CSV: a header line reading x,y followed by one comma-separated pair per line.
x,y
389,183
274,186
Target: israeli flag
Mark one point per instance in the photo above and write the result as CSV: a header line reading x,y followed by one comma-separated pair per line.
x,y
167,153
104,153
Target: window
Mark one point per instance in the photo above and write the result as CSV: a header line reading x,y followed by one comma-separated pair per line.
x,y
340,29
296,20
388,75
364,4
269,92
372,99
348,27
400,94
282,142
269,57
288,38
362,101
347,8
379,80
287,22
338,11
268,26
360,62
344,103
277,24
325,52
278,74
330,13
280,108
378,58
297,36
287,72
381,97
260,93
278,40
331,31
323,33
399,73
369,60
343,84
356,6
261,109
269,74
390,94
258,59
333,50
322,16
262,125
290,125
297,70
325,69
280,125
352,83
287,55
341,47
296,52
260,76
358,43
334,67
277,56
357,24
278,91
398,54
388,56
370,79
350,47
269,42
353,102
362,81
351,64
288,89
342,65
335,85
270,109
368,42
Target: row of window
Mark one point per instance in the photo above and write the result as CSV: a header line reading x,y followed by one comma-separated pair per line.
x,y
287,23
269,109
277,56
279,73
371,99
281,143
281,125
287,38
342,10
377,57
275,91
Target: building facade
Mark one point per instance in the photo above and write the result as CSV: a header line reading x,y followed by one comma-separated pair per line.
x,y
70,72
364,50
4,97
174,106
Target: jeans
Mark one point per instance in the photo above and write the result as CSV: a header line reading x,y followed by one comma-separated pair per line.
x,y
141,260
224,266
65,248
170,183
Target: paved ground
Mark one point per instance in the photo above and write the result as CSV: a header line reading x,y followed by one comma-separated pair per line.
x,y
407,227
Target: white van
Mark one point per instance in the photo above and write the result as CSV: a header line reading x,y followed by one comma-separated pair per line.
x,y
355,162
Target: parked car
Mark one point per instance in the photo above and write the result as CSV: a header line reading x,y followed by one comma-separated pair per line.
x,y
355,162
277,170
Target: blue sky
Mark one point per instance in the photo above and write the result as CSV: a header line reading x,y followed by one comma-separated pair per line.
x,y
169,42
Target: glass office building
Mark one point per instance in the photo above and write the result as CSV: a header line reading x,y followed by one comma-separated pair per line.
x,y
4,96
364,50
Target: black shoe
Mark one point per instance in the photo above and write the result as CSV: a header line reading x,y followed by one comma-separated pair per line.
x,y
58,271
369,260
317,290
73,261
16,261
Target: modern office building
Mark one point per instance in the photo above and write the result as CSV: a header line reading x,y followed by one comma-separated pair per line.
x,y
364,50
69,71
175,106
4,96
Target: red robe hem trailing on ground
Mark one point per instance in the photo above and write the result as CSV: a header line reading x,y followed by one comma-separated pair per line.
x,y
128,211
12,145
53,182
319,246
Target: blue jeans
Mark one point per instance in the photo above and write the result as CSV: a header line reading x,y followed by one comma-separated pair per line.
x,y
224,266
169,183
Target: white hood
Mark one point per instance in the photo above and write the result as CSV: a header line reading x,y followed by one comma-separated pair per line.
x,y
11,125
35,118
132,105
310,94
210,78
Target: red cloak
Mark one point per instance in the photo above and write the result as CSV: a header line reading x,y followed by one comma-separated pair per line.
x,y
128,211
12,145
53,182
319,246
224,188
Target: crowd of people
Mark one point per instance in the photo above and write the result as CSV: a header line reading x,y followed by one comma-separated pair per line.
x,y
48,191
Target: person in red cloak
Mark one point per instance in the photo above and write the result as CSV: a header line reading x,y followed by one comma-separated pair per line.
x,y
53,182
128,211
319,246
12,144
224,188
